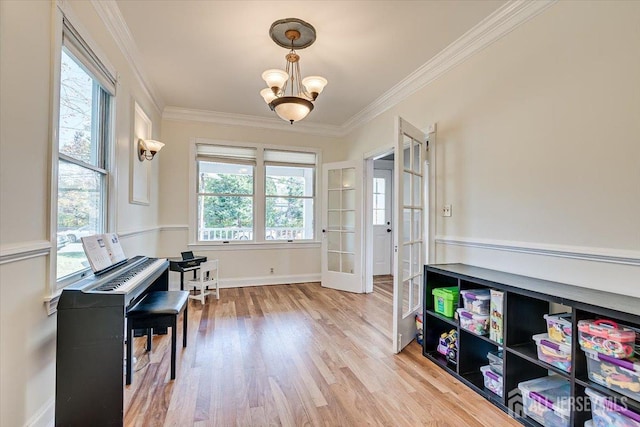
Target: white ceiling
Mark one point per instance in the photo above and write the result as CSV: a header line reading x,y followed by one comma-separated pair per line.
x,y
209,55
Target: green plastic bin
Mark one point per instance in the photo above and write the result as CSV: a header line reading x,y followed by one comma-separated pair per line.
x,y
445,300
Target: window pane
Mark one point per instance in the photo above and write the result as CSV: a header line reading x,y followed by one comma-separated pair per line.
x,y
378,217
289,181
225,178
80,204
79,131
289,218
225,218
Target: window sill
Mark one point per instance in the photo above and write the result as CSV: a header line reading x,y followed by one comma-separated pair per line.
x,y
243,246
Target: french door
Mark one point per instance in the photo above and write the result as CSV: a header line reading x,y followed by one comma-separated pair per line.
x,y
342,226
409,220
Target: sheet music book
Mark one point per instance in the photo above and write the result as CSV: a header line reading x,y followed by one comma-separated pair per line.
x,y
103,250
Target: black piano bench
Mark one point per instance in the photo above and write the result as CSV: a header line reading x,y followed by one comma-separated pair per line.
x,y
157,310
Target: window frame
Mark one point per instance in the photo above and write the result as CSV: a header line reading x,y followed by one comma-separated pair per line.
x,y
259,197
75,40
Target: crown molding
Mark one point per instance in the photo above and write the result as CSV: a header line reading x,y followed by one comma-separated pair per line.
x,y
112,18
495,26
508,17
229,119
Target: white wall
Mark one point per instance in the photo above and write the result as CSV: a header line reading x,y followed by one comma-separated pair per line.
x,y
27,333
538,148
240,265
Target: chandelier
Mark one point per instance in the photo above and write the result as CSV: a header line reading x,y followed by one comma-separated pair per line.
x,y
289,95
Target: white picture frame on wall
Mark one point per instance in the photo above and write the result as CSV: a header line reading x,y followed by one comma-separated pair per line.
x,y
140,173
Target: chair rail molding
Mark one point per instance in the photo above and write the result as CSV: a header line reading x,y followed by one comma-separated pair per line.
x,y
608,255
24,250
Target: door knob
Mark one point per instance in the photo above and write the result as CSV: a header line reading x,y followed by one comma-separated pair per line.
x,y
388,230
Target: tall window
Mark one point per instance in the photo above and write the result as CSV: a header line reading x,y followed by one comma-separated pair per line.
x,y
86,91
289,195
254,194
225,193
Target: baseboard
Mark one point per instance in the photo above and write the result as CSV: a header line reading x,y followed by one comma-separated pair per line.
x,y
261,281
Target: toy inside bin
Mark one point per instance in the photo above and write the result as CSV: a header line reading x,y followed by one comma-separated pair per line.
x,y
609,413
606,337
476,300
476,323
553,353
621,375
492,381
547,400
445,300
559,327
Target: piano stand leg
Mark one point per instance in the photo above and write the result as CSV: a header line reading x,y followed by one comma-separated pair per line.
x,y
129,354
149,335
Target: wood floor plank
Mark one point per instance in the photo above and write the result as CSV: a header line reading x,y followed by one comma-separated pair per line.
x,y
297,355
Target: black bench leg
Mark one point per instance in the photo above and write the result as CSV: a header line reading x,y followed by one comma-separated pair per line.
x,y
184,325
129,353
174,343
149,335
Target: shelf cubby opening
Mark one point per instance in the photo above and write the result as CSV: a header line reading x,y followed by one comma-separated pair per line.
x,y
434,327
473,356
524,318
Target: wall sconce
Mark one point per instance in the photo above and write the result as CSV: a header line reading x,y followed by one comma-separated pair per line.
x,y
147,148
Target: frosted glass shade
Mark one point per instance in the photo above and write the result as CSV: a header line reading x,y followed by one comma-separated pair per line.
x,y
275,78
314,84
152,145
147,148
268,95
291,108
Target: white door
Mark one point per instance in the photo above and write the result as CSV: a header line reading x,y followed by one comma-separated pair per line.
x,y
382,203
409,180
342,226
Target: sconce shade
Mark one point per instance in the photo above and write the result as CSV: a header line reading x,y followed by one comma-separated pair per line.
x,y
147,148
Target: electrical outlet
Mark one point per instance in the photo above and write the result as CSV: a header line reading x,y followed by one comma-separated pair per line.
x,y
271,270
446,211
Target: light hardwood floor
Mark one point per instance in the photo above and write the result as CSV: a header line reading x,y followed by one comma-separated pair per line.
x,y
297,355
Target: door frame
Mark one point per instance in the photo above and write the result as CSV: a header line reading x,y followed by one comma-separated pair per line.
x,y
367,188
430,198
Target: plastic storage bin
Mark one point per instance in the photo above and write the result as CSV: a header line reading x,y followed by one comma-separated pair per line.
x,y
445,299
559,327
553,353
476,323
492,381
496,316
609,413
621,375
495,361
477,300
547,400
606,337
